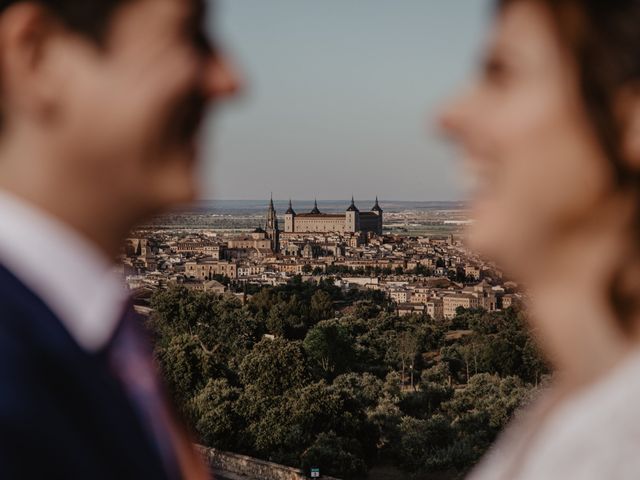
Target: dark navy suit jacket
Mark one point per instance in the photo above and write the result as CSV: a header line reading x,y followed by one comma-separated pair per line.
x,y
62,415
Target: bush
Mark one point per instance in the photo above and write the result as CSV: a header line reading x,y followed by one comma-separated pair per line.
x,y
335,456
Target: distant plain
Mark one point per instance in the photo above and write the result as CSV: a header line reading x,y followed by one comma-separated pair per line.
x,y
401,217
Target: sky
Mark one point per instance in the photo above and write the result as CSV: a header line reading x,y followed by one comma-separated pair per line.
x,y
341,98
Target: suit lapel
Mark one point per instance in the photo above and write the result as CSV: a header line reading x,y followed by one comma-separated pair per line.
x,y
88,395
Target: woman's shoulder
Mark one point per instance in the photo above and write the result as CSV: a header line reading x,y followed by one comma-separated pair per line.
x,y
594,434
607,408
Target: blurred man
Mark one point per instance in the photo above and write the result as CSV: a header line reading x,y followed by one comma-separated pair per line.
x,y
100,104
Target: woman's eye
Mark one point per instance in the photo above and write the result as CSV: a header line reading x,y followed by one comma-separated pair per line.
x,y
495,71
201,40
195,33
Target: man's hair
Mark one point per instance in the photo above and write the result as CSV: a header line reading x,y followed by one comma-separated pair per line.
x,y
90,18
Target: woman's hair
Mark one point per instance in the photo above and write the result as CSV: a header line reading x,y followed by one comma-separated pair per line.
x,y
602,38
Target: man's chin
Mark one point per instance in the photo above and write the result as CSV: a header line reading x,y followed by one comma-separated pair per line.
x,y
176,197
185,188
189,152
185,158
179,184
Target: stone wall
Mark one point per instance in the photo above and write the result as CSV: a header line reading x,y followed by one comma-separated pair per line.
x,y
250,467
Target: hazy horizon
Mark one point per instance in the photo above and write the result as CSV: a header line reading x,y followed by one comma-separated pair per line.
x,y
341,98
260,206
326,200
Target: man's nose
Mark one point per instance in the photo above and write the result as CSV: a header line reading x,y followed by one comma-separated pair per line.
x,y
221,78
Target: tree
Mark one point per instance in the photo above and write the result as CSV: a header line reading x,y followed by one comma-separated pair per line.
x,y
407,348
534,365
278,319
366,388
419,439
283,427
275,366
214,416
218,324
186,366
321,307
330,346
288,319
386,417
425,402
469,352
178,310
439,373
485,405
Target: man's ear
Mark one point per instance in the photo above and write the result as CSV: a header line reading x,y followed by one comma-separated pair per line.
x,y
629,112
25,30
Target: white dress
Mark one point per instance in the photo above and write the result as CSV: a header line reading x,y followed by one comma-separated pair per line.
x,y
593,435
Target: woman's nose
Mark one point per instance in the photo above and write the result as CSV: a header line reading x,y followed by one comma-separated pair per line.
x,y
450,117
221,79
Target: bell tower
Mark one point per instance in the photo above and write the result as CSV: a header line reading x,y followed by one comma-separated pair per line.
x,y
271,227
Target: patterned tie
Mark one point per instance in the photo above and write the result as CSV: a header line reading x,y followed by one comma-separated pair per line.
x,y
130,360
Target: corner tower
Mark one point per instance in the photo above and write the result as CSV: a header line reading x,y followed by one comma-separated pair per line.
x,y
378,211
290,219
352,218
315,210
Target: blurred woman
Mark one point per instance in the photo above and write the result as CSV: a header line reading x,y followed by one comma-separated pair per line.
x,y
551,131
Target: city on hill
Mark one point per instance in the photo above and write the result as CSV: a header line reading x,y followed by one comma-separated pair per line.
x,y
358,248
365,341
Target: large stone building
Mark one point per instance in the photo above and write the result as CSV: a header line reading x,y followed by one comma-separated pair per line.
x,y
207,269
451,303
351,221
255,240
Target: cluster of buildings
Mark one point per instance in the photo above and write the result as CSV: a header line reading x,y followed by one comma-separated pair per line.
x,y
442,301
421,274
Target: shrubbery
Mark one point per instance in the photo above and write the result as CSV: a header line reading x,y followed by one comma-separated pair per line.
x,y
333,389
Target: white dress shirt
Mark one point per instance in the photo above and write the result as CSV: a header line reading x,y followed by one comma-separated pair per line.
x,y
593,435
70,274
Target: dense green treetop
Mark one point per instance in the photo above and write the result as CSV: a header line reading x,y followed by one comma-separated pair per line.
x,y
309,375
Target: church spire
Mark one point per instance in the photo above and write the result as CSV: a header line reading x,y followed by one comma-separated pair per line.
x,y
271,227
